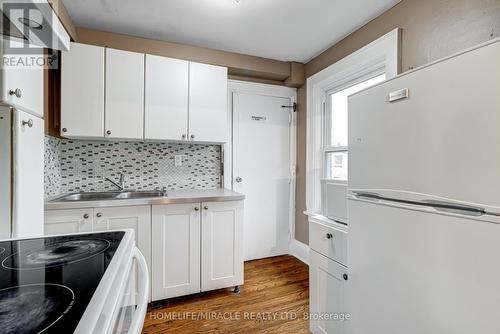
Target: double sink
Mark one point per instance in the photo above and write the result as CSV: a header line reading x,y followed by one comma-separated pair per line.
x,y
110,195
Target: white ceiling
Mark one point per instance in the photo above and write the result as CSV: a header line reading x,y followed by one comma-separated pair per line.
x,y
289,30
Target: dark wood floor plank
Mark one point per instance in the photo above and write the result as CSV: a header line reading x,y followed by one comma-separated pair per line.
x,y
273,300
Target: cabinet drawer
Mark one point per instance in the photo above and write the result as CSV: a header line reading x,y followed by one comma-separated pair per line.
x,y
328,241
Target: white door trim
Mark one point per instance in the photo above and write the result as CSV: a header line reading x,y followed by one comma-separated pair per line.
x,y
235,86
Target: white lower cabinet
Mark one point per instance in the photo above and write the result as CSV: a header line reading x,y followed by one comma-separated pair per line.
x,y
68,221
196,247
176,250
221,245
137,218
327,294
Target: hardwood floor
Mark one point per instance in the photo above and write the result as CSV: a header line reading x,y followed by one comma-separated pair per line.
x,y
273,300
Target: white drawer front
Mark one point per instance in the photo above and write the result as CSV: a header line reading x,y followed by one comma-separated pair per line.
x,y
328,241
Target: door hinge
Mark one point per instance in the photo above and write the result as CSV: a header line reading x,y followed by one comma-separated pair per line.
x,y
293,107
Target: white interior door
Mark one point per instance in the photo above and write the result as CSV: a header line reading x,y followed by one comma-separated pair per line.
x,y
261,171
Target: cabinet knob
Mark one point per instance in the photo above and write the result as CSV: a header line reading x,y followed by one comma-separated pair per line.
x,y
64,130
346,277
17,92
108,132
183,136
329,236
238,179
196,208
86,216
29,123
205,207
192,136
99,215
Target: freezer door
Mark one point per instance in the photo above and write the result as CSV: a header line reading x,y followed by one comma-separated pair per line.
x,y
28,175
415,272
444,140
5,172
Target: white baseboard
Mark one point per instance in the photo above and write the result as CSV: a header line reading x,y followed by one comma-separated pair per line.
x,y
300,251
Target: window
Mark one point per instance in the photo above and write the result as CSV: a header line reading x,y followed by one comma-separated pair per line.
x,y
327,99
336,137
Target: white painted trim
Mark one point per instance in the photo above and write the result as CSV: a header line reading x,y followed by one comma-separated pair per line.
x,y
382,55
300,251
235,86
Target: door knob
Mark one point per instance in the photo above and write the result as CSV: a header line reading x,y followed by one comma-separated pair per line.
x,y
29,123
17,92
239,179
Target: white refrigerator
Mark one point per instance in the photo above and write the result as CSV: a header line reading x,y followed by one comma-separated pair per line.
x,y
424,200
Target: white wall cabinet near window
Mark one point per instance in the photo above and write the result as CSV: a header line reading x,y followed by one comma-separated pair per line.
x,y
176,250
124,94
20,86
221,245
328,275
82,91
181,232
166,98
207,103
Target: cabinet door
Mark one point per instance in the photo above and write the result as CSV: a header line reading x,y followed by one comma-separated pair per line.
x,y
22,86
28,150
67,221
137,218
327,294
82,91
124,101
207,103
166,98
221,245
176,250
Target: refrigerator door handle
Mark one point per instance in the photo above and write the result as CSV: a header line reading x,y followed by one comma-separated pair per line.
x,y
442,206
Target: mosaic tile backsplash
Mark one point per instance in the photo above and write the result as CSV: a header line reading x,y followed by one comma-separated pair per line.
x,y
77,165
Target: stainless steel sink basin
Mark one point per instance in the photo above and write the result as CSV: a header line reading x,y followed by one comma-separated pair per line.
x,y
140,194
109,195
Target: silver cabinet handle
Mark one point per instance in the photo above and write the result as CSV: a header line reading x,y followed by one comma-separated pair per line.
x,y
196,208
86,216
99,215
329,236
205,207
108,132
17,92
239,179
29,123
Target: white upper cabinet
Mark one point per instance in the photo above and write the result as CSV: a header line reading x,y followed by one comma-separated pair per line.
x,y
82,91
207,103
124,97
23,87
166,98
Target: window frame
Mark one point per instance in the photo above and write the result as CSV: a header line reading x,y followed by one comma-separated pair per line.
x,y
378,57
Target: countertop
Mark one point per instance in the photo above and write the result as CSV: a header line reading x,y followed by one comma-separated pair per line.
x,y
173,197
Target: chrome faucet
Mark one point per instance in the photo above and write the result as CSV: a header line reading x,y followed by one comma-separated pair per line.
x,y
119,184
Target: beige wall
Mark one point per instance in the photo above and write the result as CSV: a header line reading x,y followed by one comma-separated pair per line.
x,y
432,29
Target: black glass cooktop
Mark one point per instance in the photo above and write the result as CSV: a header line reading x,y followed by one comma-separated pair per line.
x,y
47,283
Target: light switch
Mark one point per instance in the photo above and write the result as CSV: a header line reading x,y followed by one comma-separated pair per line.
x,y
178,160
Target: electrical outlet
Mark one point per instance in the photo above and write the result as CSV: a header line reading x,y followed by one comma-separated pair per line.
x,y
178,160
